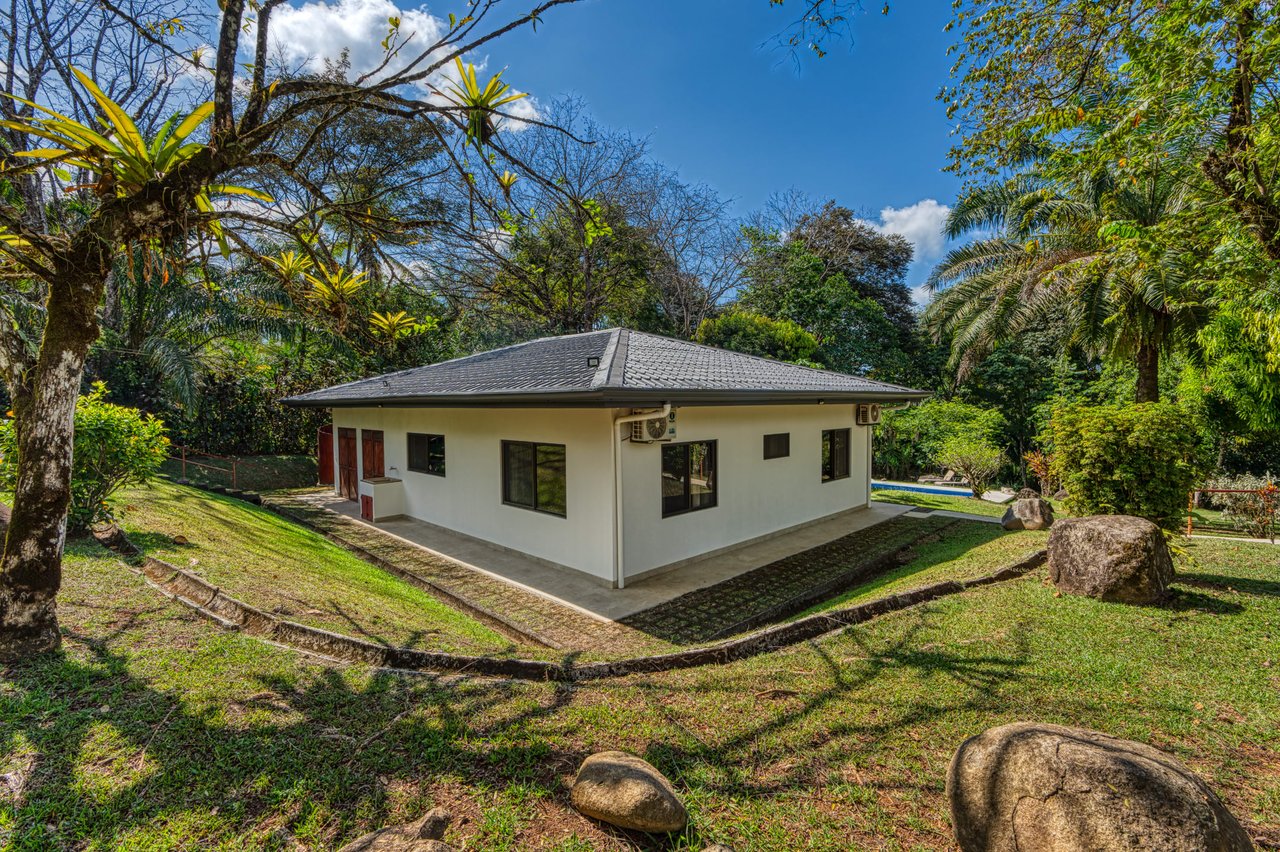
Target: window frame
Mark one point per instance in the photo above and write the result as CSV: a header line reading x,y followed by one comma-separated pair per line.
x,y
535,446
827,435
429,437
786,446
714,453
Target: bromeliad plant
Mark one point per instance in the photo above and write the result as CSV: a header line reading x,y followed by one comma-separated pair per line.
x,y
479,105
123,160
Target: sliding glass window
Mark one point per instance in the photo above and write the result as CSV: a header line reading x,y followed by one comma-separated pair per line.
x,y
533,476
835,454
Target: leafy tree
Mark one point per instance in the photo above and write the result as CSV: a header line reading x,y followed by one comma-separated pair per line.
x,y
976,458
786,281
114,447
136,187
1137,459
754,334
911,439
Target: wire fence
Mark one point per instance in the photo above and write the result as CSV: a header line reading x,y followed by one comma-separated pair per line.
x,y
1244,512
256,474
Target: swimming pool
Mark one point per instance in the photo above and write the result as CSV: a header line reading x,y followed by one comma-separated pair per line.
x,y
951,491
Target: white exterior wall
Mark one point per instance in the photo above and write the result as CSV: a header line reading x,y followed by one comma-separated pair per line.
x,y
754,497
469,498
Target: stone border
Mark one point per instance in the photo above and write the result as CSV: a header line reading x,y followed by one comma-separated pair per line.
x,y
211,602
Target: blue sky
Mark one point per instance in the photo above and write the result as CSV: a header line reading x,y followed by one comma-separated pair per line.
x,y
861,125
718,102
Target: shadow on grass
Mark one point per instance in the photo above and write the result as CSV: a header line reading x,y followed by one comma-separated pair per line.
x,y
321,768
1224,583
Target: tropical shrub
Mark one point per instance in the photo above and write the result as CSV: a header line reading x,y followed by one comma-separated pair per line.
x,y
114,446
1136,459
910,440
754,334
975,457
1041,466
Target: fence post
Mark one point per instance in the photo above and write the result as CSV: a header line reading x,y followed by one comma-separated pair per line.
x,y
184,461
1191,501
234,464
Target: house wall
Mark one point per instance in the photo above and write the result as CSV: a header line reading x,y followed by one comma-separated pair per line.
x,y
469,498
754,497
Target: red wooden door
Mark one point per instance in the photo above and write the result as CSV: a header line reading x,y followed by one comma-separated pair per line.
x,y
366,507
324,454
371,453
347,484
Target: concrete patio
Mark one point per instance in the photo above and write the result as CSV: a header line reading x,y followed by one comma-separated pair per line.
x,y
584,594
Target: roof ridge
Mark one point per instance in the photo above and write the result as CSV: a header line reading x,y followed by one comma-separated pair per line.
x,y
601,377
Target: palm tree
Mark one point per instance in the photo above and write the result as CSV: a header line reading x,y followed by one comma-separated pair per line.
x,y
1085,256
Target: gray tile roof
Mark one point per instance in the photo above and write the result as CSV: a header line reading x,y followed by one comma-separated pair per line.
x,y
612,367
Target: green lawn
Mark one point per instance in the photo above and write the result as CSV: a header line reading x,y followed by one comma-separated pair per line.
x,y
155,730
278,566
253,473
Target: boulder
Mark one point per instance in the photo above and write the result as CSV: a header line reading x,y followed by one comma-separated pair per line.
x,y
1027,494
1044,788
623,790
1028,513
1061,494
422,835
1110,557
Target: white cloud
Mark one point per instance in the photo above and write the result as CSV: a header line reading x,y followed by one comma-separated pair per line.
x,y
305,36
309,34
920,223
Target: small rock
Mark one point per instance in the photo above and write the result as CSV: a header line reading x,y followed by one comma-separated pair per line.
x,y
623,790
422,835
1044,788
718,847
181,540
1060,494
1114,558
1028,513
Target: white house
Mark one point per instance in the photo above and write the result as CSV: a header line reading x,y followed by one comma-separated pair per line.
x,y
614,453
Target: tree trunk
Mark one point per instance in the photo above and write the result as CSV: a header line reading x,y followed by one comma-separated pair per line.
x,y
44,417
1148,389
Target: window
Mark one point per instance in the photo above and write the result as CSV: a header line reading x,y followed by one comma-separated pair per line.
x,y
835,454
777,446
426,454
533,476
688,477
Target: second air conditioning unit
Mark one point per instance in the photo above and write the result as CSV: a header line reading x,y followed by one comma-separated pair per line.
x,y
867,413
661,428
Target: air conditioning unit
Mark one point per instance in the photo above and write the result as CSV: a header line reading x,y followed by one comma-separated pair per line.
x,y
654,429
867,413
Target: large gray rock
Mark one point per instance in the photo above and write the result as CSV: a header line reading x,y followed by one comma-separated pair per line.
x,y
1110,557
1028,513
421,835
623,790
1044,788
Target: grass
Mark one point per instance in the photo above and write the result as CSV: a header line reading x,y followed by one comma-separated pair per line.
x,y
152,729
278,566
965,551
252,473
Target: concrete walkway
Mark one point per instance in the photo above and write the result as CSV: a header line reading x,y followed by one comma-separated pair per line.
x,y
588,595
